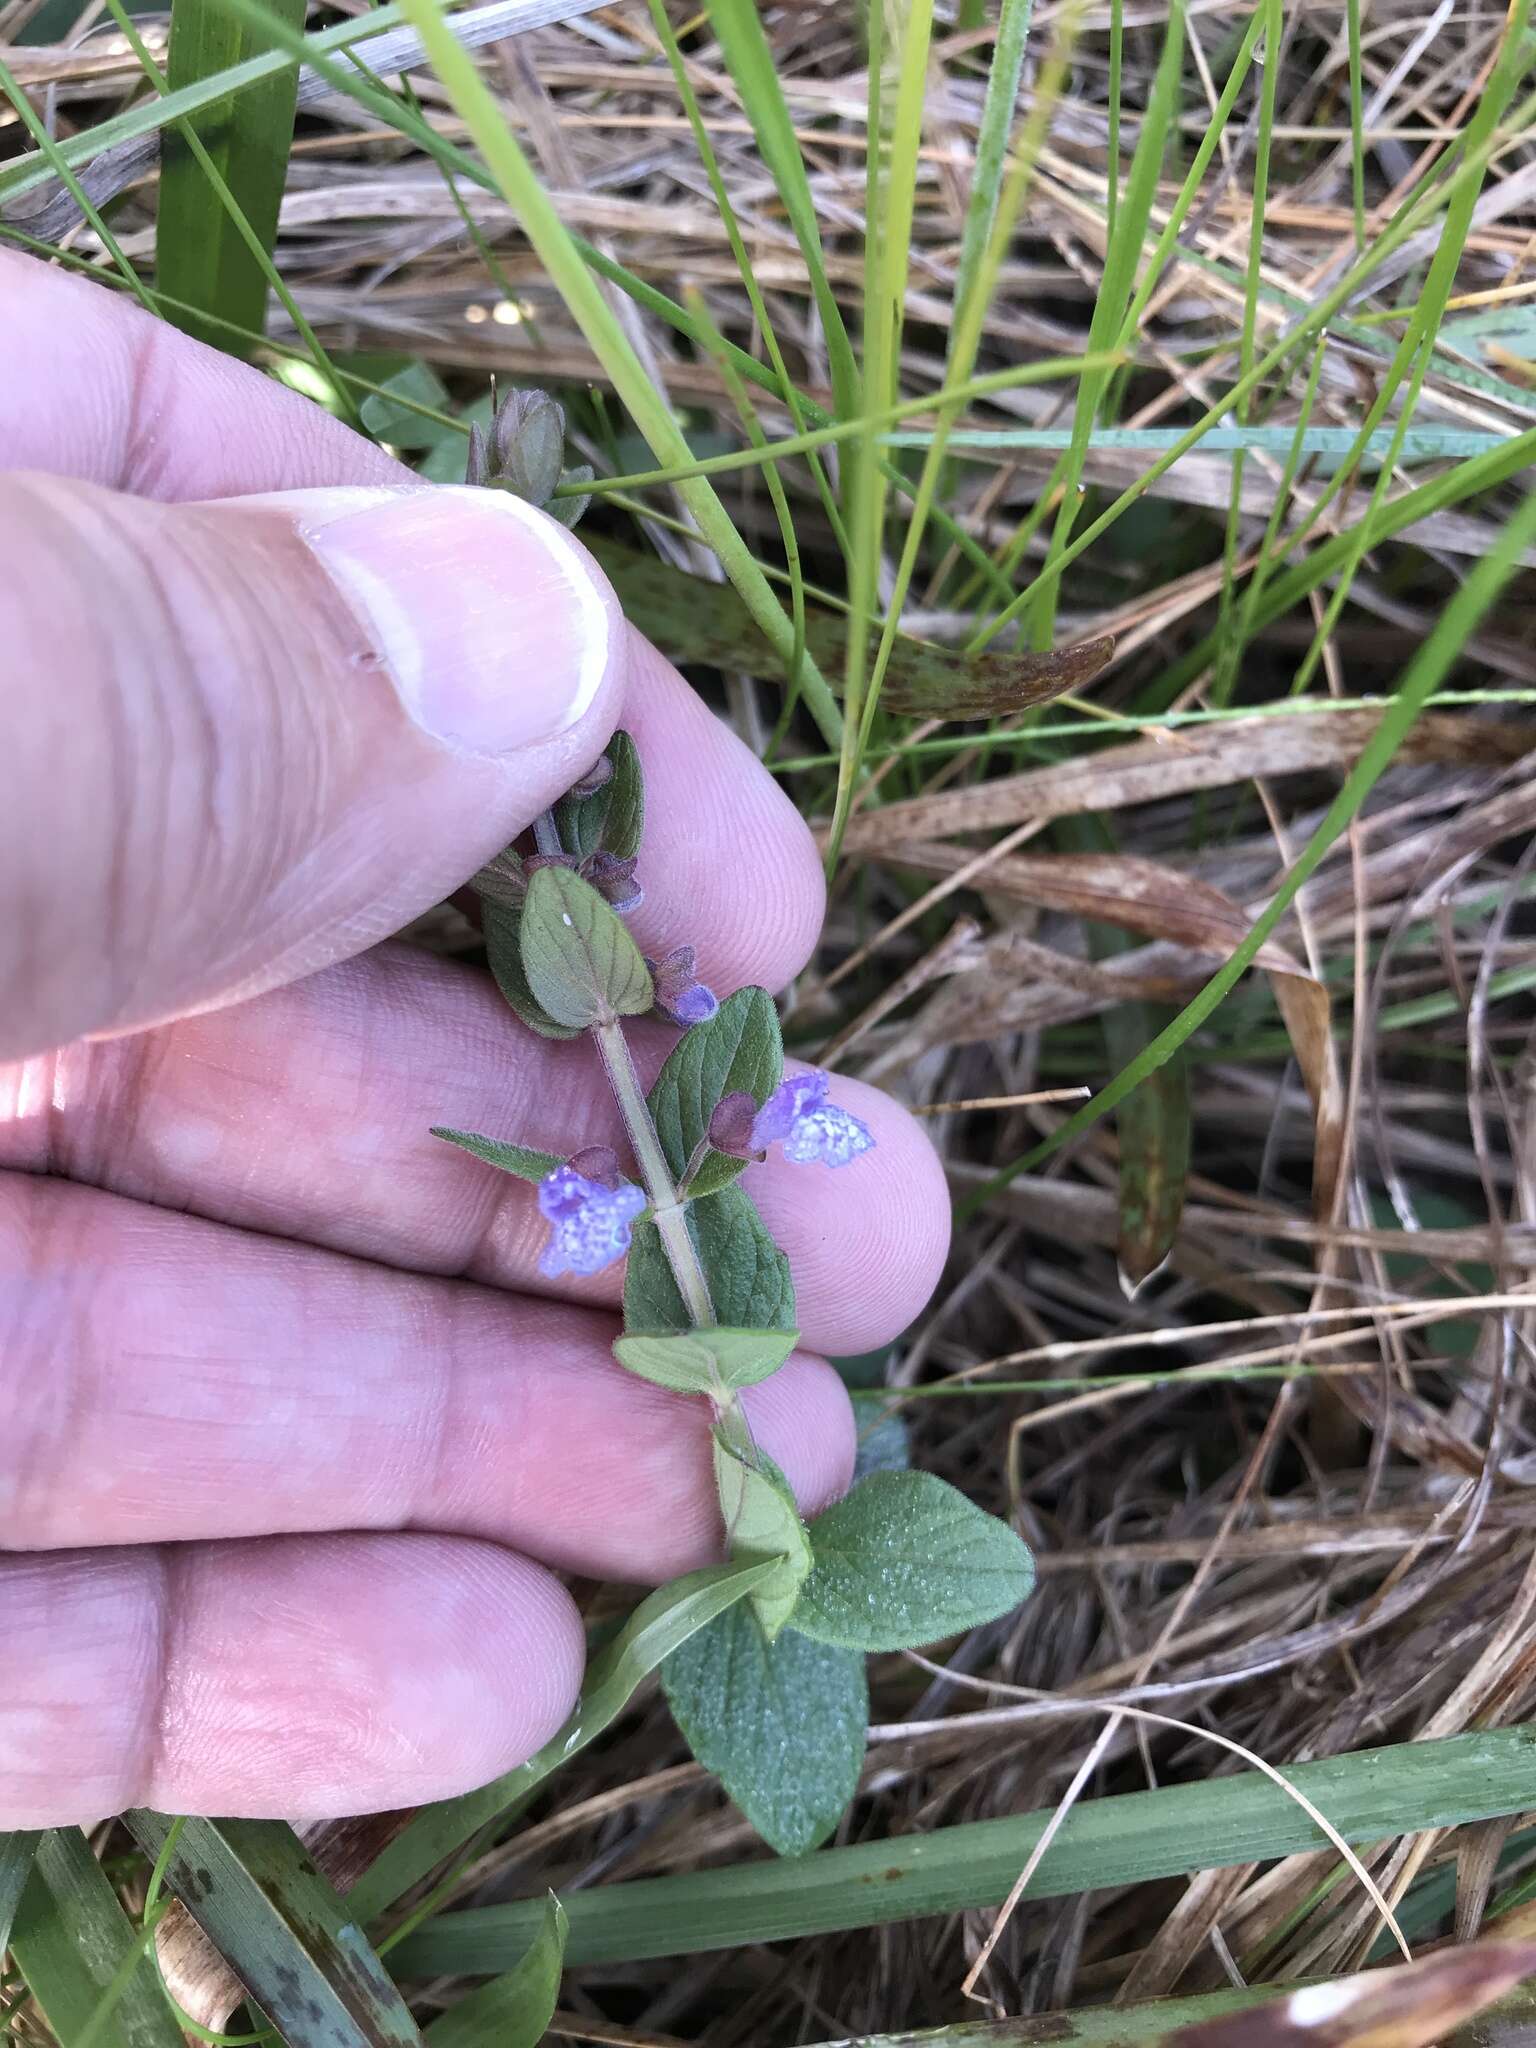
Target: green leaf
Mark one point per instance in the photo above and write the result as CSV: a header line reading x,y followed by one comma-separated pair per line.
x,y
201,257
1212,1822
502,924
252,1888
17,1851
906,1559
780,1724
392,413
514,2011
762,1521
749,1280
77,1949
612,819
658,1626
705,1360
522,1160
738,1051
579,960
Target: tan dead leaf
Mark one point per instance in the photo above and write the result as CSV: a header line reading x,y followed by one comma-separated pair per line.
x,y
1412,2006
1211,757
1163,903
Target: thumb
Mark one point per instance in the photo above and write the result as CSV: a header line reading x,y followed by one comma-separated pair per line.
x,y
247,738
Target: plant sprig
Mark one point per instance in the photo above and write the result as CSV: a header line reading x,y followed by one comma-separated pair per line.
x,y
771,1694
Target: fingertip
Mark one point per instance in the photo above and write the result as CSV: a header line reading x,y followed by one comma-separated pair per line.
x,y
287,1695
867,1241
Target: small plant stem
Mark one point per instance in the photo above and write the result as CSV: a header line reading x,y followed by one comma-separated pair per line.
x,y
670,1216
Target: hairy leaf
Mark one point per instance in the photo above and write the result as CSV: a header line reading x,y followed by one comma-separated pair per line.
x,y
780,1724
513,2011
612,819
749,1281
705,1360
580,961
738,1051
502,924
522,1160
906,1559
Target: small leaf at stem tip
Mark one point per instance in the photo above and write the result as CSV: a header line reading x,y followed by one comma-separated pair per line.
x,y
738,1053
581,964
610,817
502,923
762,1520
522,1160
705,1361
906,1559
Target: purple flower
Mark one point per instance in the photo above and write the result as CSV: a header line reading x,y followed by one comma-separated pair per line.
x,y
589,1223
613,879
680,996
798,1116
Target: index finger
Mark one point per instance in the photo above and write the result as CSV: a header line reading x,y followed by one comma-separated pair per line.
x,y
99,390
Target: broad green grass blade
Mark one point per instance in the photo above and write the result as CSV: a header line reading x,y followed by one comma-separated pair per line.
x,y
253,1890
1425,675
260,254
76,1948
201,256
749,59
1131,1839
17,1851
513,2011
655,1629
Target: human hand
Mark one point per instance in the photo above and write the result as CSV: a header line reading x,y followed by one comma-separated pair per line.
x,y
293,1436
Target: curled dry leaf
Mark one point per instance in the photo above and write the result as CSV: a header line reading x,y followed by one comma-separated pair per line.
x,y
1410,2007
692,620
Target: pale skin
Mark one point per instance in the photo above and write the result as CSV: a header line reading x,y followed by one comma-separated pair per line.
x,y
294,1441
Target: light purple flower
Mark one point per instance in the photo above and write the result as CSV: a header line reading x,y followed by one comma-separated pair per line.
x,y
813,1131
680,996
589,1223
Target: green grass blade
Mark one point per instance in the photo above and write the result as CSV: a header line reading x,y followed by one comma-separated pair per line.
x,y
78,1952
1425,674
17,1851
749,59
1130,1839
201,256
655,1629
513,2011
252,1888
1113,303
1356,120
585,303
58,164
992,144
